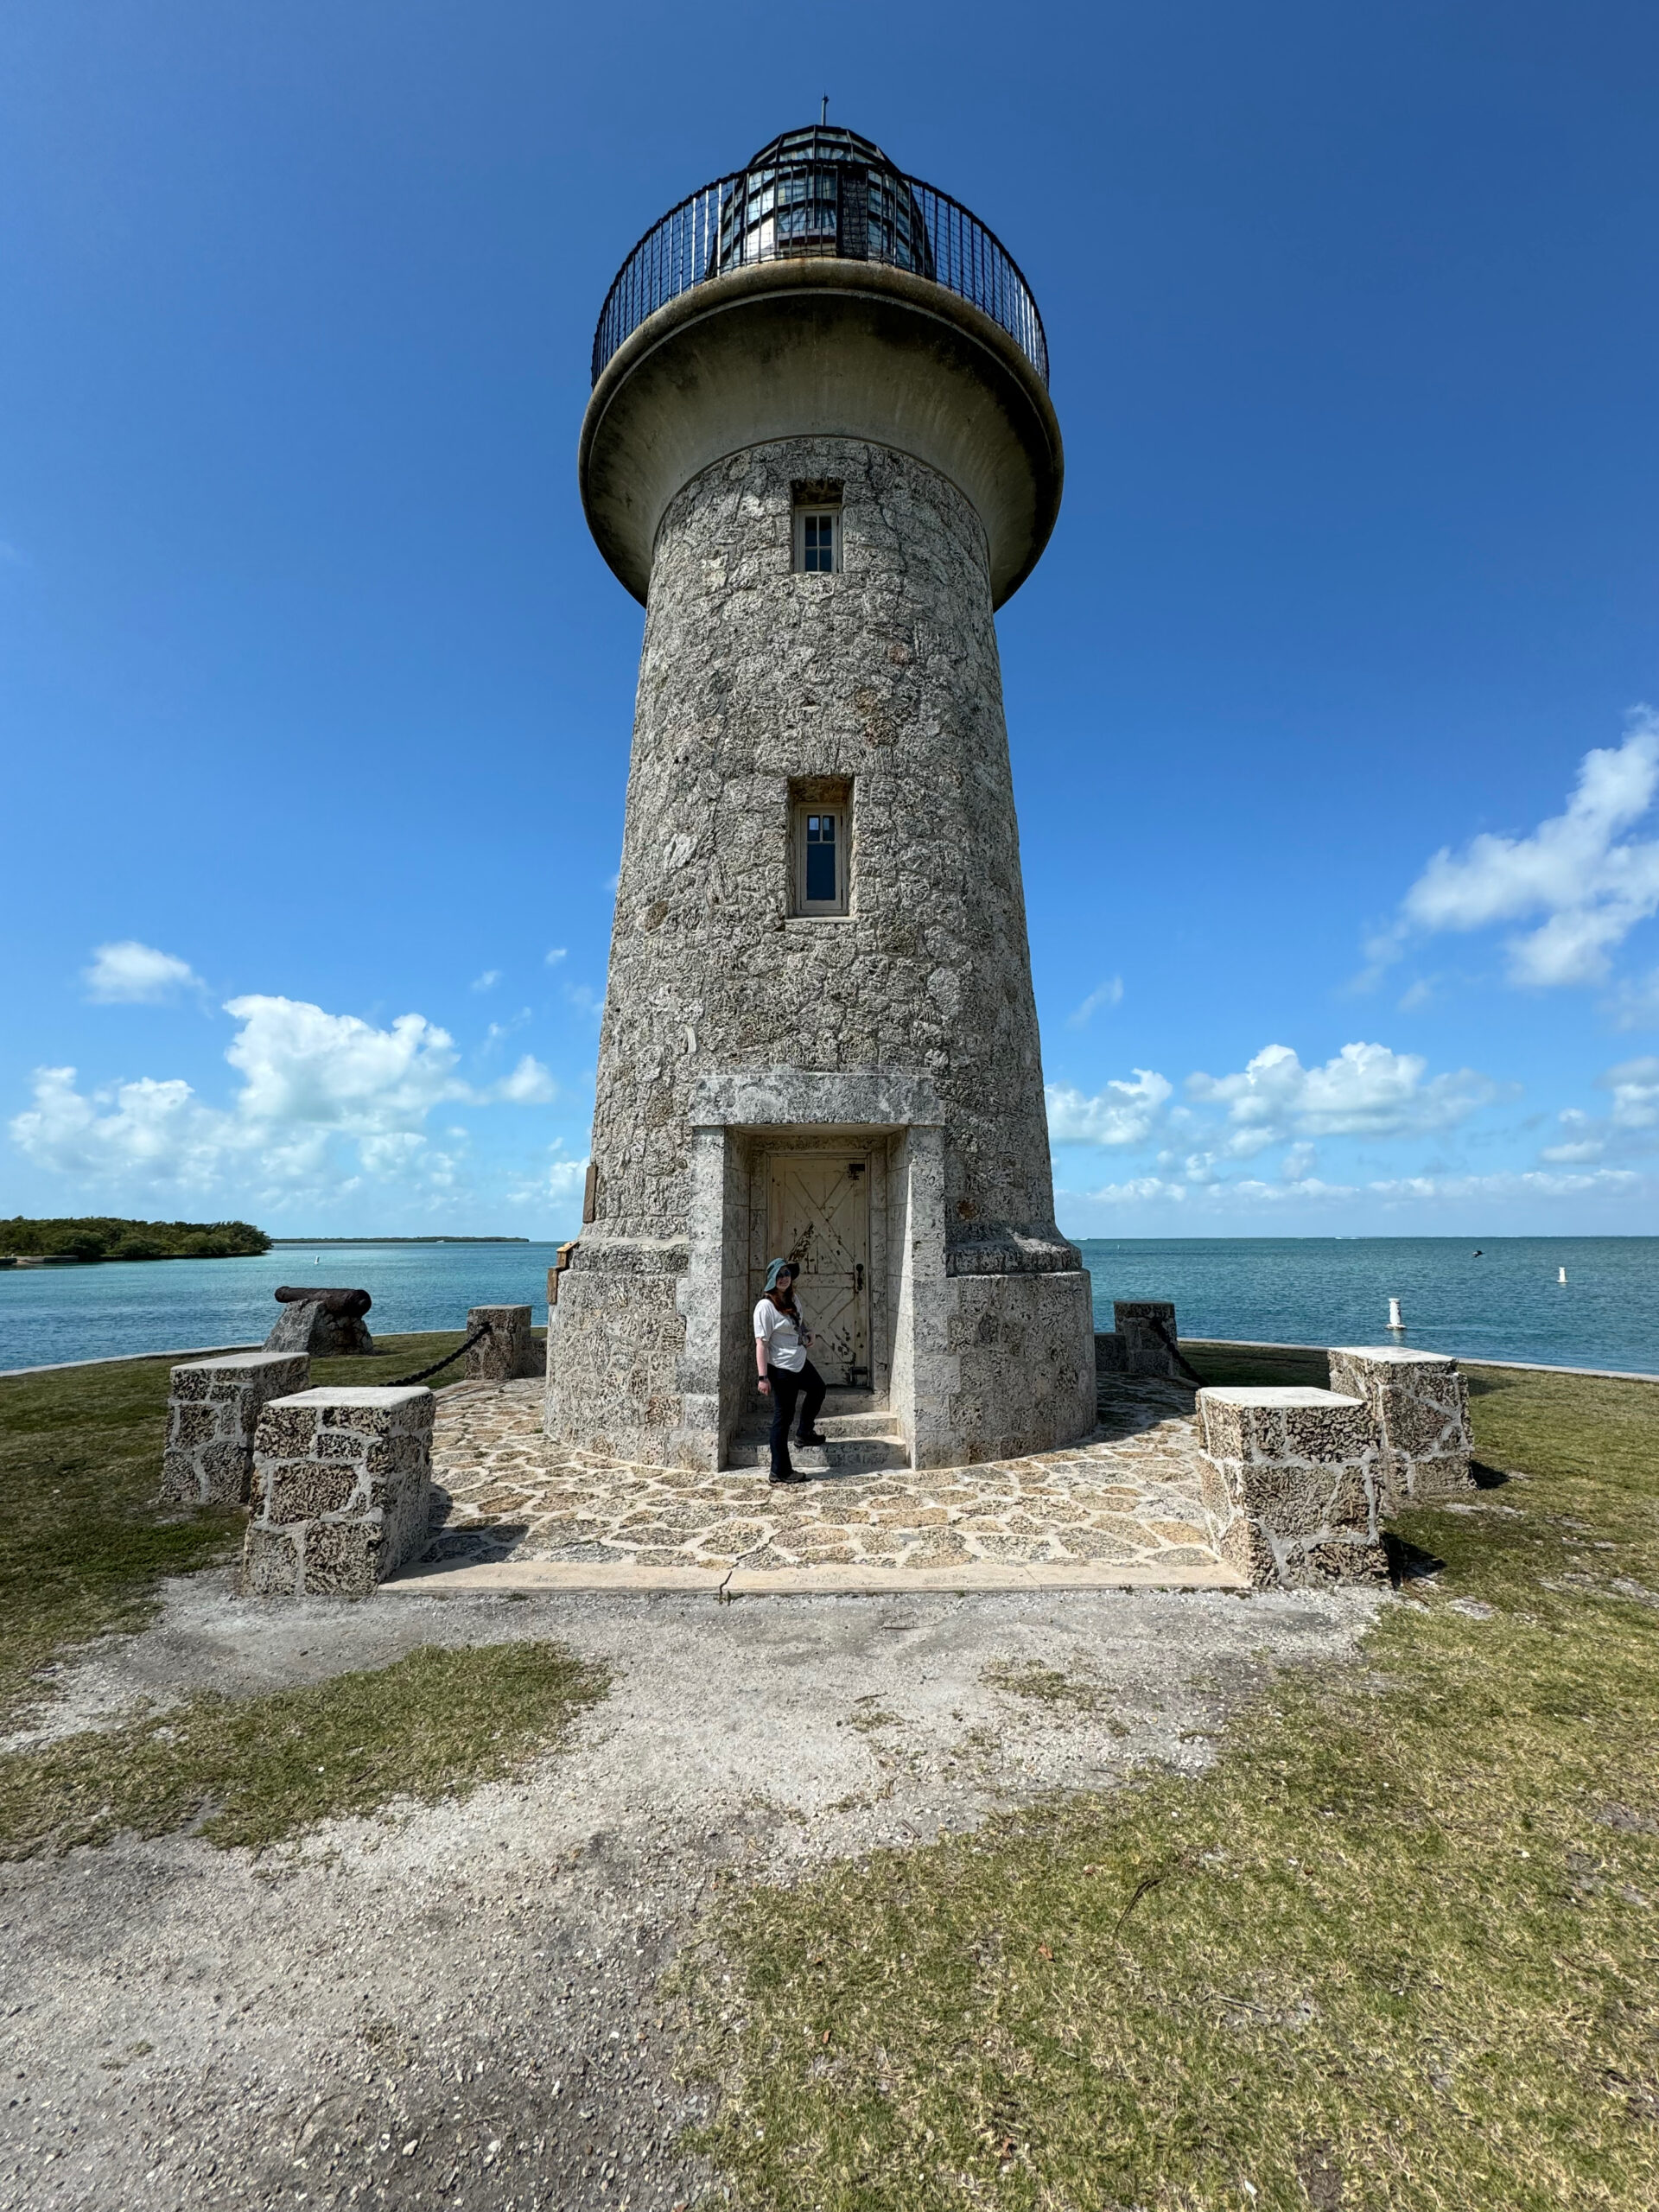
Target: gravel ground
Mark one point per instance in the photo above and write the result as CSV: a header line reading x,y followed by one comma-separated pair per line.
x,y
460,2005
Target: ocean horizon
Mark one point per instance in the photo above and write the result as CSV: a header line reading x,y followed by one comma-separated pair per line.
x,y
1506,1304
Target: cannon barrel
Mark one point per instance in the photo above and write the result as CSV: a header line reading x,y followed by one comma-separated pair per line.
x,y
348,1305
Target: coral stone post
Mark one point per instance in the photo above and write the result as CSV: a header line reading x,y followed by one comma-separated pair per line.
x,y
820,448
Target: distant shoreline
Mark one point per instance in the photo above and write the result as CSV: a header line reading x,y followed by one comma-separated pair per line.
x,y
276,1241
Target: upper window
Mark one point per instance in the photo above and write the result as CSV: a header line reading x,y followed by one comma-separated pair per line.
x,y
817,528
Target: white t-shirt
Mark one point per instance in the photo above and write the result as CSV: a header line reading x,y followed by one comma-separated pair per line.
x,y
781,1335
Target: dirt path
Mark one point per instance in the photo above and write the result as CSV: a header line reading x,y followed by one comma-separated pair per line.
x,y
461,2007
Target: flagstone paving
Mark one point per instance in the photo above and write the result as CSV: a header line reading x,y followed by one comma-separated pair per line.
x,y
1126,1496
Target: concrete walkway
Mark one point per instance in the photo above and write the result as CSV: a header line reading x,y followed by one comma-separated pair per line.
x,y
1119,1510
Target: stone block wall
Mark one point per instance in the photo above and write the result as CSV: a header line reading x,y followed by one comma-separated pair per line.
x,y
509,1352
616,1355
1024,1381
342,1481
1419,1402
212,1411
1292,1485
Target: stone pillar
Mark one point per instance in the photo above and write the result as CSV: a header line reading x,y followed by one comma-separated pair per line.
x,y
508,1351
1144,1351
1291,1485
1419,1404
342,1482
213,1410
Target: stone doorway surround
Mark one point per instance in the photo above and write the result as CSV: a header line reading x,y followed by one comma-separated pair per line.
x,y
738,1122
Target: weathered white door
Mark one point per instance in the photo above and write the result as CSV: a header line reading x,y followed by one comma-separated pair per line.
x,y
818,1218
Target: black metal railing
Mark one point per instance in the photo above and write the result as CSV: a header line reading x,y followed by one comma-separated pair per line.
x,y
840,209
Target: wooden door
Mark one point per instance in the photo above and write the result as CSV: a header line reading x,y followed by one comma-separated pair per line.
x,y
818,1218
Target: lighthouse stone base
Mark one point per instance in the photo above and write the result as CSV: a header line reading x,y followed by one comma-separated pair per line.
x,y
980,1352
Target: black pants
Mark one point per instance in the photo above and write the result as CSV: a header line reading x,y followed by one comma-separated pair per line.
x,y
809,1386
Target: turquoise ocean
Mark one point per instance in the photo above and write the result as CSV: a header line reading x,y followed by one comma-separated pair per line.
x,y
1508,1304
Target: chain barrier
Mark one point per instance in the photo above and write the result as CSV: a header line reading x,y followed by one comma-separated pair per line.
x,y
404,1382
1174,1351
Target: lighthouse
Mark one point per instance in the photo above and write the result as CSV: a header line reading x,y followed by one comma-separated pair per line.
x,y
820,449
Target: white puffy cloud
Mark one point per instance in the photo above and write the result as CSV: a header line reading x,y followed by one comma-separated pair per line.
x,y
153,1132
131,973
1586,880
1524,1183
1111,992
1124,1113
1635,1086
306,1068
1138,1190
1630,1128
530,1085
325,1099
562,1180
1394,1193
1364,1090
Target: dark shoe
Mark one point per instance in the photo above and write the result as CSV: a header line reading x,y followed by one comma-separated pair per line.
x,y
789,1475
813,1436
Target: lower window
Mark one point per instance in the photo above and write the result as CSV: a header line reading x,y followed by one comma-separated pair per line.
x,y
821,852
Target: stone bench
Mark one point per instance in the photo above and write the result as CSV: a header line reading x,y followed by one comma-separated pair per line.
x,y
509,1351
342,1484
1419,1404
212,1411
1292,1485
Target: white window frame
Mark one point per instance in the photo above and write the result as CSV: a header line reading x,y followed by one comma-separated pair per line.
x,y
840,812
821,511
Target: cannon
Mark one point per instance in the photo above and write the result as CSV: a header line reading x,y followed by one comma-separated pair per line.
x,y
327,1323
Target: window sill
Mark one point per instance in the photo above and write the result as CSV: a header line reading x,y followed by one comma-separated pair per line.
x,y
800,921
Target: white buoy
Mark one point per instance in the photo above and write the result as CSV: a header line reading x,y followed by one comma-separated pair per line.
x,y
1394,1321
1561,1274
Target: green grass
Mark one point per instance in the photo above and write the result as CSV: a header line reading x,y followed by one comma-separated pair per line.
x,y
1399,1947
83,1544
1275,1364
259,1770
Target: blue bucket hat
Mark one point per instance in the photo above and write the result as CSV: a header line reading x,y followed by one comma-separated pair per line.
x,y
779,1267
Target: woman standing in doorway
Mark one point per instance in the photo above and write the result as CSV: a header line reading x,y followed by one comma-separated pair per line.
x,y
781,1338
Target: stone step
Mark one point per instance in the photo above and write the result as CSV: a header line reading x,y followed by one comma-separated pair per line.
x,y
876,1422
843,1455
864,1438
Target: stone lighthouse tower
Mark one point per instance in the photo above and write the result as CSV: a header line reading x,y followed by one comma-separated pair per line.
x,y
820,448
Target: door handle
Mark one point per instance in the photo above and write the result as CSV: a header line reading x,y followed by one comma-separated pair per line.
x,y
858,1275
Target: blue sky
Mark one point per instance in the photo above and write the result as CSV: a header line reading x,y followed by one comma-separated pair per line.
x,y
1328,703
